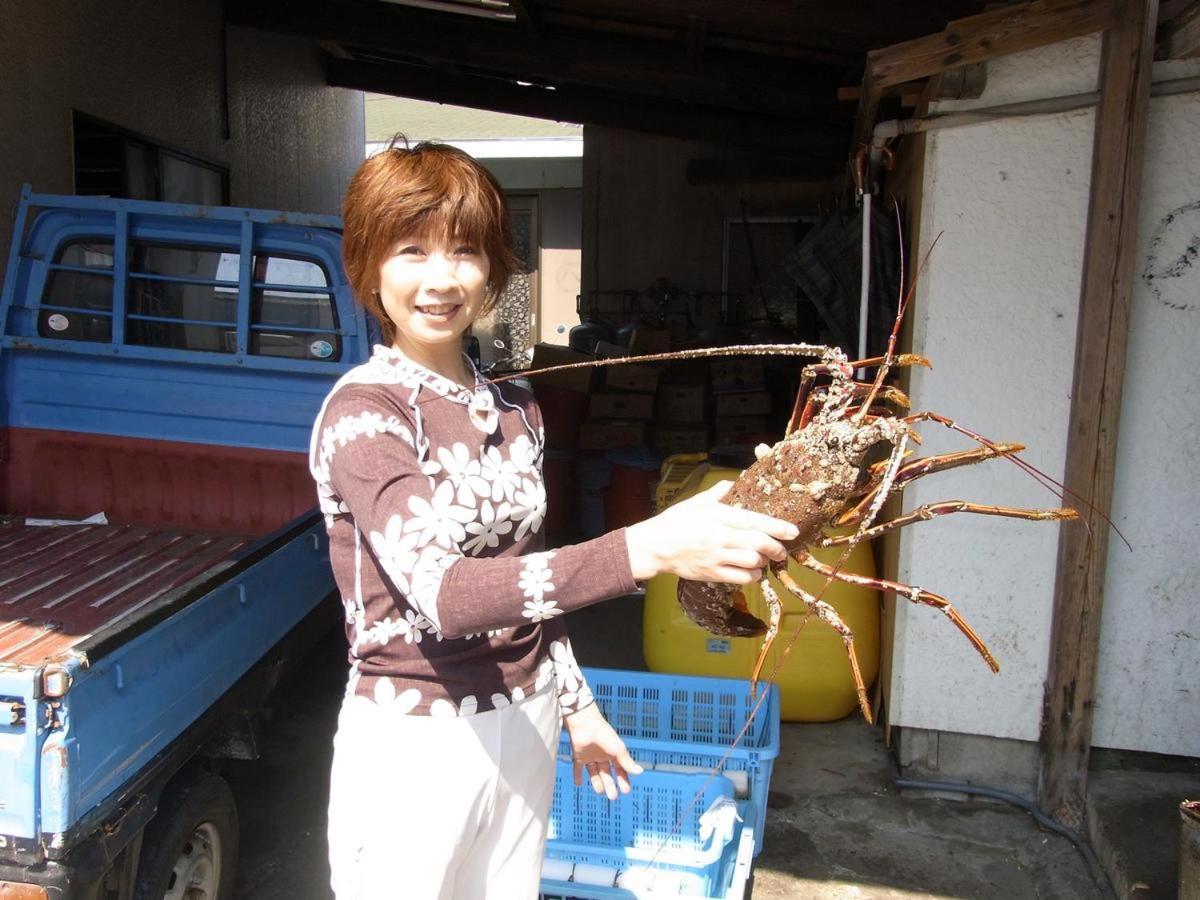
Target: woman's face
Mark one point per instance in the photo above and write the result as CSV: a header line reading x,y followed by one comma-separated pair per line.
x,y
432,288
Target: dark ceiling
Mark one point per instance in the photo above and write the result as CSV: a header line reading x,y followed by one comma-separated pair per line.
x,y
755,73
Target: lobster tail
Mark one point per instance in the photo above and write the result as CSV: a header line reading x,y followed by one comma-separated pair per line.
x,y
712,607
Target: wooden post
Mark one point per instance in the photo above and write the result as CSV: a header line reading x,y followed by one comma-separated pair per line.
x,y
1107,284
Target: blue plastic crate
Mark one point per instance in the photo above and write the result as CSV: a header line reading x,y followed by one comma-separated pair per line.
x,y
686,723
647,843
659,820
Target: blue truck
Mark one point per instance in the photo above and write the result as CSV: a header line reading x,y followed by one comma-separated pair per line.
x,y
161,556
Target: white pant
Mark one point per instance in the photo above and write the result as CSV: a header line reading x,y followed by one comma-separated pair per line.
x,y
453,809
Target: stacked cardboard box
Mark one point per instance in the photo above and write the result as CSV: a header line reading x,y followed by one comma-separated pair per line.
x,y
619,415
737,374
547,355
682,421
740,430
562,396
741,401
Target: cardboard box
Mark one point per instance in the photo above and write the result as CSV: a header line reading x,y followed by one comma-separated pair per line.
x,y
741,430
744,403
611,434
680,440
622,406
546,355
737,375
651,340
682,403
609,350
632,377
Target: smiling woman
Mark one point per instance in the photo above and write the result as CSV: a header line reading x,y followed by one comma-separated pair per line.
x,y
461,671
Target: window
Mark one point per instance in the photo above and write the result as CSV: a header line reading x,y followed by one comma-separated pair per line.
x,y
291,311
112,162
77,304
182,298
187,298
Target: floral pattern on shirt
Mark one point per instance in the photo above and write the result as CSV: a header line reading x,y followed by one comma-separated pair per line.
x,y
573,691
535,584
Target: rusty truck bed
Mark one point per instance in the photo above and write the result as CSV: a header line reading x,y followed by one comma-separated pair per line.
x,y
61,584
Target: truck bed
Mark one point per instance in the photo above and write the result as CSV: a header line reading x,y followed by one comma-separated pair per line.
x,y
60,584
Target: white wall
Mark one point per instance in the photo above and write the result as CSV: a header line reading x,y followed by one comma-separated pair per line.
x,y
1149,680
154,67
559,263
997,312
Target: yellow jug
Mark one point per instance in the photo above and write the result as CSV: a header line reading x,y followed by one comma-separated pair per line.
x,y
814,678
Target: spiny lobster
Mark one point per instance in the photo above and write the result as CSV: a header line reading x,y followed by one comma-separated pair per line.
x,y
820,475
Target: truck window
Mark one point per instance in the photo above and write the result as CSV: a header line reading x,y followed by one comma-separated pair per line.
x,y
291,311
186,298
183,298
77,304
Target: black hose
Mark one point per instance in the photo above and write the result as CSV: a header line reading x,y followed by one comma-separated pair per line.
x,y
1042,819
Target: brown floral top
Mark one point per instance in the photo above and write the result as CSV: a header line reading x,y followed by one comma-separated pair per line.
x,y
434,503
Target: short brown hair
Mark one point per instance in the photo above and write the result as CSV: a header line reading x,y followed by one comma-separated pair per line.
x,y
429,187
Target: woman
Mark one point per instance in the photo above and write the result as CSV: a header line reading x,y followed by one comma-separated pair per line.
x,y
461,671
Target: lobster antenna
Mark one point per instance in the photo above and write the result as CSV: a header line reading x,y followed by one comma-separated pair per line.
x,y
905,299
816,351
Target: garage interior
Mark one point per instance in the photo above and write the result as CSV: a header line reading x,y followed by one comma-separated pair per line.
x,y
712,127
719,141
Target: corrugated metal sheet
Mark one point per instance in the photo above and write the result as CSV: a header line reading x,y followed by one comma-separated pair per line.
x,y
60,584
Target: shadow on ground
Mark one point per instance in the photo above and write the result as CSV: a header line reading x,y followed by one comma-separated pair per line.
x,y
282,796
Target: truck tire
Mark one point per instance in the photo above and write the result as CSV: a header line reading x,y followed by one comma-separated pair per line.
x,y
189,848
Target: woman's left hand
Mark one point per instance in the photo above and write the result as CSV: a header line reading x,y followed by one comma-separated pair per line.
x,y
599,749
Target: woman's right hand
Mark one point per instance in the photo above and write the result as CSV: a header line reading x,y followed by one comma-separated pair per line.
x,y
702,539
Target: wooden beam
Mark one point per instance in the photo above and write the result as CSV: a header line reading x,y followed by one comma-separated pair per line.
x,y
906,92
764,85
785,27
1107,286
988,35
568,104
975,39
808,47
869,96
697,37
1180,35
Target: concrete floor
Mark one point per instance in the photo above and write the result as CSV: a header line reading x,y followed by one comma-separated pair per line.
x,y
836,828
1134,821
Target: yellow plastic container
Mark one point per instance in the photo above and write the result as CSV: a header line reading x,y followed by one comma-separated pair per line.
x,y
673,474
814,678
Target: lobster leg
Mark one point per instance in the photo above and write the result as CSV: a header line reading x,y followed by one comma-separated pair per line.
x,y
926,465
829,616
945,508
914,594
775,609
